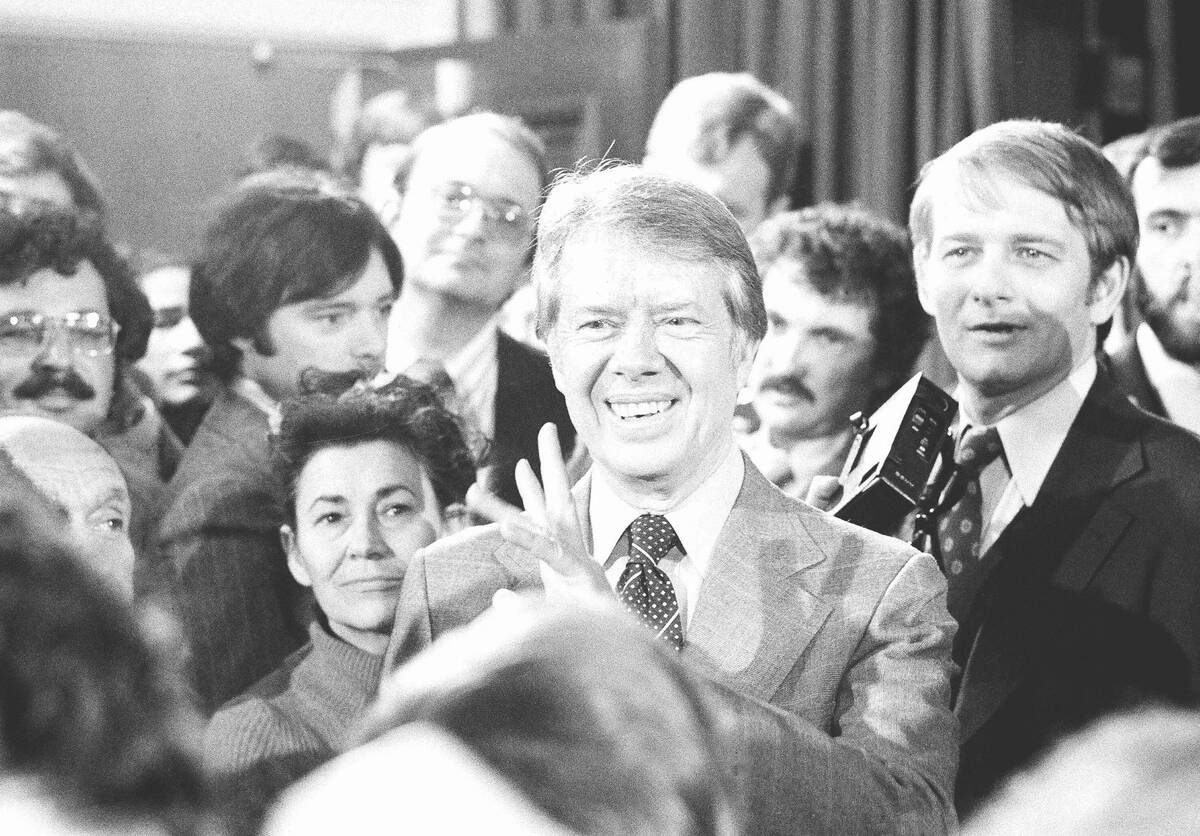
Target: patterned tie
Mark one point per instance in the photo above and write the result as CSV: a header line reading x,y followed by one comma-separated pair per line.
x,y
961,529
645,589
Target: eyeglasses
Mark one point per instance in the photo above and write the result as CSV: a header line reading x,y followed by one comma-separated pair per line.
x,y
457,200
88,333
170,316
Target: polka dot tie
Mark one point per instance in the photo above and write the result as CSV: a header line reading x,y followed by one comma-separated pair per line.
x,y
644,588
961,528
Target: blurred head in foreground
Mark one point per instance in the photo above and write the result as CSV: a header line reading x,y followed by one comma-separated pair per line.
x,y
596,722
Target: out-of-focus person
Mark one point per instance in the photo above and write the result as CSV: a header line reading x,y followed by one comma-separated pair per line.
x,y
844,326
72,322
464,224
176,370
290,291
835,639
1068,527
1159,367
39,170
548,695
372,477
96,735
731,135
1134,774
86,488
273,151
379,143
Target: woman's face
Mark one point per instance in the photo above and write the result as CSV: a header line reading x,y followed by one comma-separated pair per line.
x,y
362,510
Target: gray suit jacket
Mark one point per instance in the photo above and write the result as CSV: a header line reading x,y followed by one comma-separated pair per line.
x,y
833,643
222,559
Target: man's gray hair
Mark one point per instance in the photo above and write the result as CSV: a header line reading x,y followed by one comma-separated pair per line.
x,y
657,212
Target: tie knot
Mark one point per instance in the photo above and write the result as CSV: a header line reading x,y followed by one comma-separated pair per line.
x,y
651,535
977,447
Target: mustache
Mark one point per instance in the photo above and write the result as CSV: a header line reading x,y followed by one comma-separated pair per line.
x,y
314,381
43,381
788,384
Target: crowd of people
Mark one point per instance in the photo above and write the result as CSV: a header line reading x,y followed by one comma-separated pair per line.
x,y
432,490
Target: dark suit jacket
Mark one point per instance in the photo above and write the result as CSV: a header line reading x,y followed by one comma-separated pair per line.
x,y
526,398
225,566
1093,600
1129,375
842,631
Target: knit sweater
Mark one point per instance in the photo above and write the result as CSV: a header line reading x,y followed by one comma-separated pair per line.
x,y
298,714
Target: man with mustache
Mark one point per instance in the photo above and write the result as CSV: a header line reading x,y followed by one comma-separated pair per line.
x,y
291,292
1068,528
72,320
1160,366
58,261
844,327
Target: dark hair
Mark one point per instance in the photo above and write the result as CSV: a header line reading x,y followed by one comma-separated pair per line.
x,y
29,147
279,151
1174,145
58,240
596,721
508,129
87,705
658,212
850,254
391,117
722,108
280,237
1050,158
402,411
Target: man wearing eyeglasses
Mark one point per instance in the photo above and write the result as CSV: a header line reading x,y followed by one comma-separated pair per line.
x,y
72,319
464,224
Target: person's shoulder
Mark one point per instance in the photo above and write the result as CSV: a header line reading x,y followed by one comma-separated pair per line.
x,y
251,729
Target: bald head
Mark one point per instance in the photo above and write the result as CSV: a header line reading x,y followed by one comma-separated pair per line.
x,y
84,484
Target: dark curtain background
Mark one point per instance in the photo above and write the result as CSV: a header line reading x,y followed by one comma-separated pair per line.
x,y
881,86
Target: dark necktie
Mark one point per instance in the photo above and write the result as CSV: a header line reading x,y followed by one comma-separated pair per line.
x,y
960,530
644,588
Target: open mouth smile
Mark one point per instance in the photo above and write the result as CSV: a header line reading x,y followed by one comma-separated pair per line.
x,y
628,411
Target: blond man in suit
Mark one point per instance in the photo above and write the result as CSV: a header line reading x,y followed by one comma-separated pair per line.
x,y
833,641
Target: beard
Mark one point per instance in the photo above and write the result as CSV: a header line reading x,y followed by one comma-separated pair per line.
x,y
1179,339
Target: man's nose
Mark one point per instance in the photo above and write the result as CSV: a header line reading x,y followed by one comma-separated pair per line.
x,y
636,352
988,279
186,337
369,340
56,351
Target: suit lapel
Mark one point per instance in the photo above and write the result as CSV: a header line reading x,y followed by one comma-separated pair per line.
x,y
754,617
1060,540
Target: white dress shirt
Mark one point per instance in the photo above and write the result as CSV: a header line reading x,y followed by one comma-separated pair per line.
x,y
474,370
1177,384
1032,437
697,521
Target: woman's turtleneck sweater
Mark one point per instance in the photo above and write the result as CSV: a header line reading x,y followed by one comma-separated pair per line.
x,y
298,716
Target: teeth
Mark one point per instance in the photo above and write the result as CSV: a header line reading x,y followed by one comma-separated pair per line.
x,y
640,409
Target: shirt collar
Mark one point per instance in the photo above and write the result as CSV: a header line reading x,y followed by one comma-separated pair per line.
x,y
697,520
1033,435
253,392
400,356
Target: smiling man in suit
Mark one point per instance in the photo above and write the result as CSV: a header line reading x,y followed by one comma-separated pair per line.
x,y
1071,556
832,637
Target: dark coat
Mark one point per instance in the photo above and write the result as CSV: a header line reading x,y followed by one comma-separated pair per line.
x,y
1093,600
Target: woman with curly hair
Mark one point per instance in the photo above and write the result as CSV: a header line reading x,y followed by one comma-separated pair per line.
x,y
372,477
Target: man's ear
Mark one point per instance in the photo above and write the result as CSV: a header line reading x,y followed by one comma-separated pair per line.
x,y
919,257
1107,290
745,350
287,539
